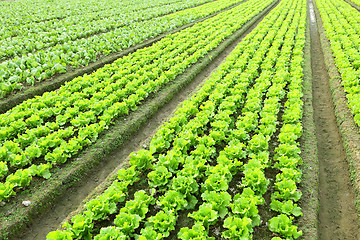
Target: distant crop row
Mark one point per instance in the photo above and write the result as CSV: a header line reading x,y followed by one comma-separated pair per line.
x,y
209,160
48,130
37,36
20,13
44,64
357,2
342,26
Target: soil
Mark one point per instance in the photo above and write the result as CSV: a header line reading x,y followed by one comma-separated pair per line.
x,y
337,212
309,201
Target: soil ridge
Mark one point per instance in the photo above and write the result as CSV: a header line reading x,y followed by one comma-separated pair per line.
x,y
337,213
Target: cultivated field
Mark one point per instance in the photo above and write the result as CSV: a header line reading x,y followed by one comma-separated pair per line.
x,y
168,119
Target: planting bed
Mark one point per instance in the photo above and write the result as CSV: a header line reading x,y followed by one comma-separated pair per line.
x,y
212,119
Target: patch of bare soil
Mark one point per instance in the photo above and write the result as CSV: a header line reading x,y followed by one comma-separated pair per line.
x,y
337,213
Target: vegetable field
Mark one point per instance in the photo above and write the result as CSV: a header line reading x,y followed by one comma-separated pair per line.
x,y
168,119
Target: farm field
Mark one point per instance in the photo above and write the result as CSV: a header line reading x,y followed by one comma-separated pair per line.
x,y
168,119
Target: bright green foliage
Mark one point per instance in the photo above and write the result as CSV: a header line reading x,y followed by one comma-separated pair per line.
x,y
245,205
216,182
287,190
255,179
6,190
287,207
59,235
110,233
173,200
219,201
127,223
163,222
238,228
148,233
129,175
81,227
159,177
218,142
184,185
197,232
100,208
139,206
141,160
206,215
3,169
76,41
59,124
282,224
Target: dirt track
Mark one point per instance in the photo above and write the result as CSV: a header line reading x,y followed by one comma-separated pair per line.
x,y
337,213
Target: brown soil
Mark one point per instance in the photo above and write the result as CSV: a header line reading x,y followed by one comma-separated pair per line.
x,y
337,213
309,201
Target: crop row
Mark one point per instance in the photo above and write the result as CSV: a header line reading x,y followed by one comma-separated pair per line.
x,y
287,154
38,36
342,27
44,64
78,15
218,136
357,2
49,129
21,13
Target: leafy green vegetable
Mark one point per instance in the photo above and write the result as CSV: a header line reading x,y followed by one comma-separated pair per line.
x,y
141,160
110,233
127,223
238,228
159,177
197,232
219,201
286,207
206,215
164,222
282,224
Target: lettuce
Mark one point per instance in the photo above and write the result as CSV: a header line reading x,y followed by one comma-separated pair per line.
x,y
282,224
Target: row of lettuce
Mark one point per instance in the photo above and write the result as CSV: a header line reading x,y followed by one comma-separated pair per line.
x,y
342,27
45,63
209,162
48,130
38,36
357,2
18,13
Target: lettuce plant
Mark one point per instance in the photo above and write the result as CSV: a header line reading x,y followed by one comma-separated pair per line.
x,y
219,201
238,228
127,222
282,225
110,233
197,232
173,200
159,177
163,222
286,207
206,215
141,160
